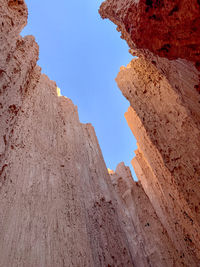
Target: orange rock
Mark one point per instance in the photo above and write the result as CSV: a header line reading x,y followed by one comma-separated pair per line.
x,y
167,28
164,113
59,206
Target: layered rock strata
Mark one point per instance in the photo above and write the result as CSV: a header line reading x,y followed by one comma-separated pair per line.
x,y
164,112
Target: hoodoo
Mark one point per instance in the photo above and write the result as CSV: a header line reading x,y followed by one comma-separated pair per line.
x,y
59,205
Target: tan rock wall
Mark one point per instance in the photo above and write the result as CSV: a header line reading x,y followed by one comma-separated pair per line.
x,y
154,240
162,123
165,108
57,204
51,187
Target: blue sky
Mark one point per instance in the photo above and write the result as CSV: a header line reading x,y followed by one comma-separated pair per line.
x,y
83,54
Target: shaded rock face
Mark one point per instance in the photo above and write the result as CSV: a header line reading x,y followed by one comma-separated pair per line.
x,y
158,247
167,28
164,112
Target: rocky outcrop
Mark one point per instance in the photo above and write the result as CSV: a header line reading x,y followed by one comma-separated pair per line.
x,y
158,248
166,28
59,206
164,112
165,152
57,203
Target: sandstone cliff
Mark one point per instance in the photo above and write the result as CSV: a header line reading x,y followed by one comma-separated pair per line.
x,y
165,108
59,206
157,246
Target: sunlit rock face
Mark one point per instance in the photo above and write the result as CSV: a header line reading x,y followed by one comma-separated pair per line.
x,y
162,86
57,204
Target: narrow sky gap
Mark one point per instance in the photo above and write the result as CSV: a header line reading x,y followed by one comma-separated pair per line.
x,y
83,54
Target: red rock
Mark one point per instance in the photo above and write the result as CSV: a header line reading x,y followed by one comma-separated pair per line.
x,y
166,28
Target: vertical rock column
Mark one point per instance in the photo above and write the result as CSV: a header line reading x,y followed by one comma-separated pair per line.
x,y
162,86
166,127
158,248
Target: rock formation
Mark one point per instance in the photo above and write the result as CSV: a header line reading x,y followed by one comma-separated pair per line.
x,y
154,240
57,203
59,206
164,115
167,28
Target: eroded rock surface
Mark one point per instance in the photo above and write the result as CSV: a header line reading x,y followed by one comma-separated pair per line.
x,y
59,206
57,203
157,246
164,114
166,28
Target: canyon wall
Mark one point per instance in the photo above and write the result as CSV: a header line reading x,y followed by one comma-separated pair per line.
x,y
57,203
162,86
59,206
154,239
